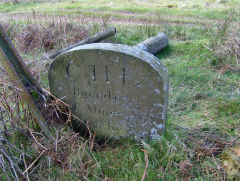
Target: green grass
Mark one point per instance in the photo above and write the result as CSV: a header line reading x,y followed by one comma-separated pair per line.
x,y
187,8
199,99
204,104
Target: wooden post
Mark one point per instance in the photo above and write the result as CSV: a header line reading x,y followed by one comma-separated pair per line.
x,y
92,39
30,90
154,44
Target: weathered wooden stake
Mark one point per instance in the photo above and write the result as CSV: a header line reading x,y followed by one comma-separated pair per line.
x,y
23,79
154,44
92,39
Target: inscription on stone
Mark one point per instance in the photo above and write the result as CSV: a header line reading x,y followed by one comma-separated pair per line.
x,y
120,90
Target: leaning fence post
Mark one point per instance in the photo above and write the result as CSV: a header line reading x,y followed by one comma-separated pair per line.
x,y
31,92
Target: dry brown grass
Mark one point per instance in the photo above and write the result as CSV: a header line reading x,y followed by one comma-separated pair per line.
x,y
226,45
50,35
20,135
231,45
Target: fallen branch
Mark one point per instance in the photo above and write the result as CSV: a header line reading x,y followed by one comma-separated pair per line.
x,y
154,44
146,167
92,39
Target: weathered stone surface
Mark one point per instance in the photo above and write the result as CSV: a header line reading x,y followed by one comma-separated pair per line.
x,y
120,90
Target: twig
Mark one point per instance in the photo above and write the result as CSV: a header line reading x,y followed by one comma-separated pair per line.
x,y
34,162
49,166
36,140
34,169
208,48
146,167
25,164
69,114
56,142
92,141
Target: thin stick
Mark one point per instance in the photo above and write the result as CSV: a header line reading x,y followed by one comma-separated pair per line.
x,y
34,162
92,141
48,94
36,140
25,164
56,142
30,173
146,167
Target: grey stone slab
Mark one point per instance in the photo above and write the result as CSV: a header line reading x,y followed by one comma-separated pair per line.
x,y
120,90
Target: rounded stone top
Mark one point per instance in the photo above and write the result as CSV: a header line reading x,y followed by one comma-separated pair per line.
x,y
119,90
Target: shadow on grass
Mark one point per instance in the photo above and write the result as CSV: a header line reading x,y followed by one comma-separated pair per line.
x,y
166,52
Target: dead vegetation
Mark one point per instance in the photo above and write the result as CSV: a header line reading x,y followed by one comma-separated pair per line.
x,y
226,44
20,135
230,46
48,35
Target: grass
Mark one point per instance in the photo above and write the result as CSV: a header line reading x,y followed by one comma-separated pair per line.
x,y
187,8
203,117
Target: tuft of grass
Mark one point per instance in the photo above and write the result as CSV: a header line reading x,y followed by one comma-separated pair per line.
x,y
228,107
